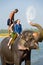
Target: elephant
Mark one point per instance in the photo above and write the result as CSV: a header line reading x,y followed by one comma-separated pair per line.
x,y
16,56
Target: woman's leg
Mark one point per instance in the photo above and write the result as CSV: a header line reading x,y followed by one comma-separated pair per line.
x,y
9,43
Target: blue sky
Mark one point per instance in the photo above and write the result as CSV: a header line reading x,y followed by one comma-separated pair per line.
x,y
6,6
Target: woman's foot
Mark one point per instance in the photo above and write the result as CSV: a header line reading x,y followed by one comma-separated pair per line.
x,y
10,47
8,44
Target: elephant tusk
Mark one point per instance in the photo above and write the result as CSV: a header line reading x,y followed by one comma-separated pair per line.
x,y
37,45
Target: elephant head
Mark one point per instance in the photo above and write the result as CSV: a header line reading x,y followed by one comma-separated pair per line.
x,y
38,35
28,40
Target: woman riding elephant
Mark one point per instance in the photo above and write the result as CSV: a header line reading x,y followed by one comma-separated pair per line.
x,y
10,24
14,33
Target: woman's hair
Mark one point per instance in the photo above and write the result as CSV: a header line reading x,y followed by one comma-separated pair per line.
x,y
16,21
16,10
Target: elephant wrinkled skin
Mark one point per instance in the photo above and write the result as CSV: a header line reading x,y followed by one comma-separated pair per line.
x,y
16,56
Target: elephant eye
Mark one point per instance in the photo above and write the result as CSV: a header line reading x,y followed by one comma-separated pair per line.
x,y
25,44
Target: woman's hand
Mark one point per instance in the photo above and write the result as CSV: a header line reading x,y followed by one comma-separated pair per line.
x,y
17,34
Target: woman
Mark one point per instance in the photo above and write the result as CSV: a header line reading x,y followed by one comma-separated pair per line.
x,y
18,31
11,19
10,24
18,27
13,36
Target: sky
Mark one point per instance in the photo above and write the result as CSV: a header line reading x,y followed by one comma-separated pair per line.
x,y
6,6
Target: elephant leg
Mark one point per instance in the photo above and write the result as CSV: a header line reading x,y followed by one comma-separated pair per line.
x,y
9,64
28,59
27,62
2,61
18,62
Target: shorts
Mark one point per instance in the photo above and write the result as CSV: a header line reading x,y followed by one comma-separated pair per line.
x,y
13,35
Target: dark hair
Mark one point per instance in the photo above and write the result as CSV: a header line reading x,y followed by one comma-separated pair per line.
x,y
16,21
16,10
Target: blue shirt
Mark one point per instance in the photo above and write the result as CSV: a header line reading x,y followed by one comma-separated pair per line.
x,y
18,28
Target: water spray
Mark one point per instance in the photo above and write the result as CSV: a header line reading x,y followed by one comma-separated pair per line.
x,y
30,13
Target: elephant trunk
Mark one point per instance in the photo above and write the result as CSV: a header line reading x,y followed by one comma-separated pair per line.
x,y
40,33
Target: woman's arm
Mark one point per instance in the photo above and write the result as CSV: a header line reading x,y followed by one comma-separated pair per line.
x,y
11,28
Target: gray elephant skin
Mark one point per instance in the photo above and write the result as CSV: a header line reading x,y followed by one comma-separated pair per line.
x,y
16,56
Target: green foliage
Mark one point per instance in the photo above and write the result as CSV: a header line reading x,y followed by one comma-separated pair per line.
x,y
3,31
6,31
